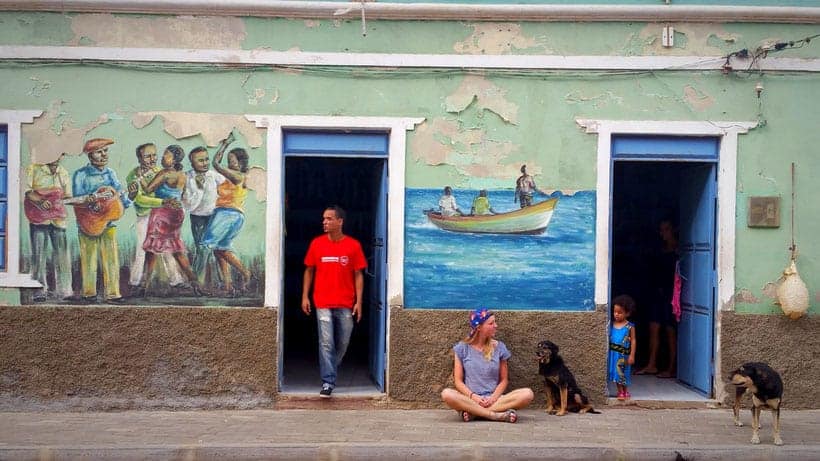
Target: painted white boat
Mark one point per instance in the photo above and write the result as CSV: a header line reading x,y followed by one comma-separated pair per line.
x,y
531,220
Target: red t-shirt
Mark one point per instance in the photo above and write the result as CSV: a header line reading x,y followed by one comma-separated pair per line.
x,y
335,264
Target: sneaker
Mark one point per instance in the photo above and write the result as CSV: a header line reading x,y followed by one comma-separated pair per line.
x,y
327,389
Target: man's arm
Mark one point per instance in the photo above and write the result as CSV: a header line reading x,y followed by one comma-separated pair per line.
x,y
307,280
357,306
114,182
140,198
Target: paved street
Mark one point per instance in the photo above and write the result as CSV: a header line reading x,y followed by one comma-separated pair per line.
x,y
625,433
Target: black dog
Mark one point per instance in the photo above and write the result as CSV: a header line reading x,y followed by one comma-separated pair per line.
x,y
766,388
559,383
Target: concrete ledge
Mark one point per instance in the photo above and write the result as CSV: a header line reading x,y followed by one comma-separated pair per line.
x,y
379,451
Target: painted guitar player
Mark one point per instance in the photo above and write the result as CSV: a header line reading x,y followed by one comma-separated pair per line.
x,y
99,200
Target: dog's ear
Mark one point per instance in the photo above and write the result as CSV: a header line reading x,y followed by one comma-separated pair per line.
x,y
554,348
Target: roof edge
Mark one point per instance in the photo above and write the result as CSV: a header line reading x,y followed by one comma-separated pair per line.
x,y
429,11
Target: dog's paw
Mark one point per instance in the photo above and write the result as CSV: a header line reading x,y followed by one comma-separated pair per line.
x,y
738,423
561,413
778,441
755,439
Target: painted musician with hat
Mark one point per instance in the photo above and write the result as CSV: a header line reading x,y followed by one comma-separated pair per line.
x,y
101,200
481,375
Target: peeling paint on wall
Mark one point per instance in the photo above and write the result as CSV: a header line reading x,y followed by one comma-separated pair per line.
x,y
200,32
697,99
770,290
52,134
496,38
212,127
719,41
486,95
636,44
745,296
259,96
597,101
256,180
474,157
39,87
690,39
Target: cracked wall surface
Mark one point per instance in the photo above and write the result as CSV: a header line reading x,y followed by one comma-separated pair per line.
x,y
157,32
479,128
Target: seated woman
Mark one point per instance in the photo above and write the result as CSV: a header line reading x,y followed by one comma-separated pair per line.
x,y
481,376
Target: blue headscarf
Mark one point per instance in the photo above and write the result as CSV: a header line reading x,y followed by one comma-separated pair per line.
x,y
477,317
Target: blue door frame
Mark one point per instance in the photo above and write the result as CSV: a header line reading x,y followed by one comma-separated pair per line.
x,y
697,243
359,145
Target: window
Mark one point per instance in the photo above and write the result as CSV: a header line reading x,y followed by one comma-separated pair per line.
x,y
11,122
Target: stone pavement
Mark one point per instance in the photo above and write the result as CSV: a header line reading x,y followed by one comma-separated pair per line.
x,y
620,433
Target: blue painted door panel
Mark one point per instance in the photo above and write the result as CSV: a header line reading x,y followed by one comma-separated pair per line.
x,y
664,147
4,139
335,144
378,285
697,268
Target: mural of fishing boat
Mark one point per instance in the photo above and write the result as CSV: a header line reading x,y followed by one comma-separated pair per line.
x,y
532,220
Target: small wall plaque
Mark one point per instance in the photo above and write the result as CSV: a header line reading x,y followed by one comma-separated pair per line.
x,y
764,212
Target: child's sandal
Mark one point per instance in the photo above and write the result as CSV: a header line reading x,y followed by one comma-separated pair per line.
x,y
466,416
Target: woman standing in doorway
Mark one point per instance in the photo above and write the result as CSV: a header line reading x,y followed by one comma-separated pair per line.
x,y
660,309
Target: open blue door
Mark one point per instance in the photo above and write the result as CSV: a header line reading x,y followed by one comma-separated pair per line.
x,y
697,267
378,283
696,159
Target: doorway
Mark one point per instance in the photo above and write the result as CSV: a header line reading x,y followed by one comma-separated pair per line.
x,y
656,179
315,180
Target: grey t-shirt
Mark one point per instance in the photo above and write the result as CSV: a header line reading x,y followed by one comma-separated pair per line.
x,y
480,374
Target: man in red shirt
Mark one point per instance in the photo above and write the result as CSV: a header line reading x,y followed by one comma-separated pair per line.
x,y
335,262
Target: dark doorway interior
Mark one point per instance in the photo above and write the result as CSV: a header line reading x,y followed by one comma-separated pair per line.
x,y
644,194
312,184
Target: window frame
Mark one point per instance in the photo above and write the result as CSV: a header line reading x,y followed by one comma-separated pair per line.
x,y
11,277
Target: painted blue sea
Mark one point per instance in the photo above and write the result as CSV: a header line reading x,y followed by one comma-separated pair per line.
x,y
551,271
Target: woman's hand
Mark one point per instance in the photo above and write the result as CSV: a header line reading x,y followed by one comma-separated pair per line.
x,y
487,402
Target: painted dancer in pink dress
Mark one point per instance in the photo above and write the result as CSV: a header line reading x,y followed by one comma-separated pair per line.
x,y
165,222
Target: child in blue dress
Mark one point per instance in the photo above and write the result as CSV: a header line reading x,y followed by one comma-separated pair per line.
x,y
622,345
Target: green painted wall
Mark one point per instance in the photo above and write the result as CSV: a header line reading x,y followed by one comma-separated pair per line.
x,y
517,117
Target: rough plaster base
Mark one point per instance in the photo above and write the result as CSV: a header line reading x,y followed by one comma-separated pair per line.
x,y
789,346
87,358
117,358
421,357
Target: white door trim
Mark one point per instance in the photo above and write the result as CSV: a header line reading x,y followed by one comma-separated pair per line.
x,y
274,214
727,131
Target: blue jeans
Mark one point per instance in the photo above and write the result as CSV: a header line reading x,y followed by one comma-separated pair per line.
x,y
335,327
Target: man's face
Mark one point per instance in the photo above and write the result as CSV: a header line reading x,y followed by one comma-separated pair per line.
x,y
99,157
199,162
148,157
330,223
